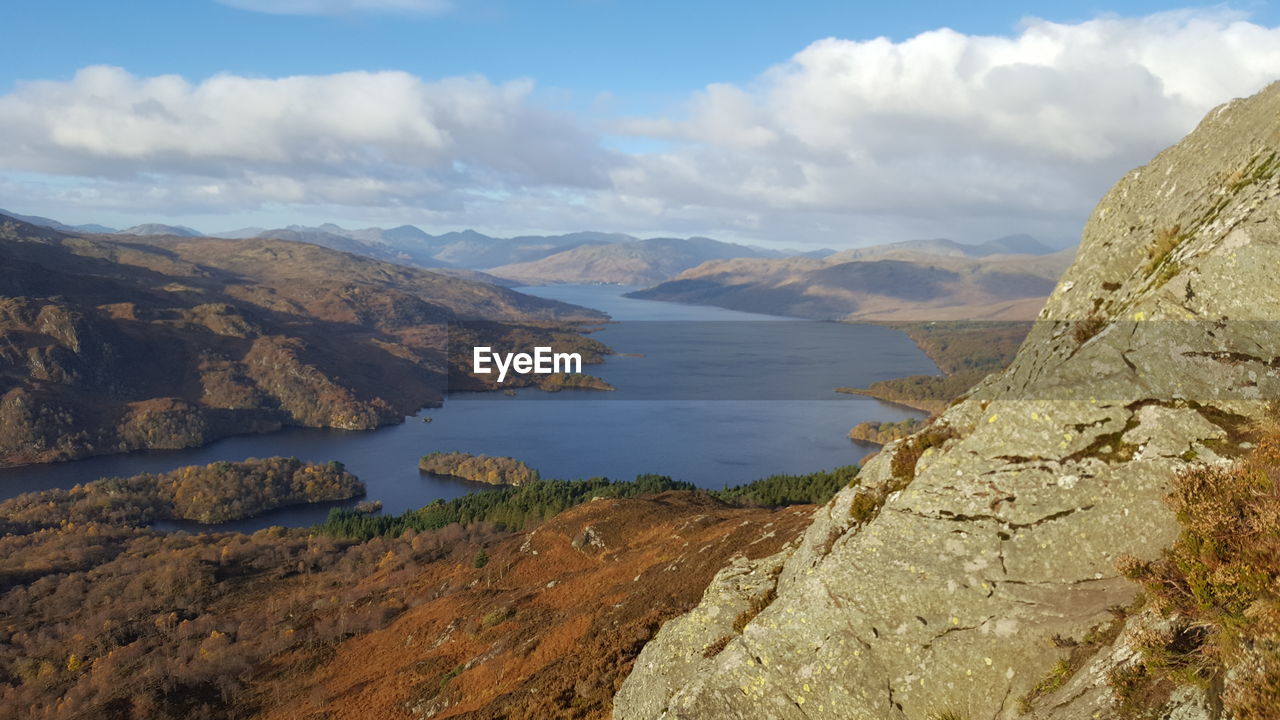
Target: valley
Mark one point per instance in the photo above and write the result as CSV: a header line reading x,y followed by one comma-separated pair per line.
x,y
321,473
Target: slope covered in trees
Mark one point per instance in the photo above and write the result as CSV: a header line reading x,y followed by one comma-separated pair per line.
x,y
115,344
521,507
105,618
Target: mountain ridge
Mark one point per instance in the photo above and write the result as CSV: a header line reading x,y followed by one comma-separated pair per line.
x,y
634,262
886,283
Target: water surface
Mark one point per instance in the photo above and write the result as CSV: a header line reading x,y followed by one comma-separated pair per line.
x,y
715,397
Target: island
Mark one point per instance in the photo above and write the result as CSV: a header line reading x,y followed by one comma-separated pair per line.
x,y
214,493
478,468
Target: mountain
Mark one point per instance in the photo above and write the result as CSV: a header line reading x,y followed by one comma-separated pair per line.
x,y
240,234
112,345
158,229
981,567
1012,245
410,245
861,285
89,228
634,262
50,223
533,259
1008,245
471,249
347,243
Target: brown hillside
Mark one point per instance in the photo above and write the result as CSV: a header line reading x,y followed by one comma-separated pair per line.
x,y
898,285
550,626
109,344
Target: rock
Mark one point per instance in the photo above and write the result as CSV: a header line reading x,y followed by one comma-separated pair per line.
x,y
588,538
1159,344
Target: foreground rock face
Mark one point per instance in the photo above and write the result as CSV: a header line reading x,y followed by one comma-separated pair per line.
x,y
1158,346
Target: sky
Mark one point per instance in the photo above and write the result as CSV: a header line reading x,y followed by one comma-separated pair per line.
x,y
802,124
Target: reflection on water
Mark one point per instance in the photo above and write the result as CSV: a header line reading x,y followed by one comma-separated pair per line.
x,y
665,417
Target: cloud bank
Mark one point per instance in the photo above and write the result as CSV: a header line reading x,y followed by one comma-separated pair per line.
x,y
943,134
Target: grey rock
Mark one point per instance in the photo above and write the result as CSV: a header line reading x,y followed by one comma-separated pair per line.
x,y
1161,339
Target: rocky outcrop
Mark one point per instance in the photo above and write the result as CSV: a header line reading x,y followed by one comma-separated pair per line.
x,y
940,584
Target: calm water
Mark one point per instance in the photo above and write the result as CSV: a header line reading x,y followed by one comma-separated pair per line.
x,y
716,397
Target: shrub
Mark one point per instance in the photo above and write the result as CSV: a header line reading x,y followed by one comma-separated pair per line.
x,y
1088,327
1220,581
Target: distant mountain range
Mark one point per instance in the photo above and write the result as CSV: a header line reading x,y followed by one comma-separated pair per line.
x,y
50,223
1008,245
633,262
594,257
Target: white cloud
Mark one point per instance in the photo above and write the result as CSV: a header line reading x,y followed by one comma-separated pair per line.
x,y
945,130
354,138
943,134
340,7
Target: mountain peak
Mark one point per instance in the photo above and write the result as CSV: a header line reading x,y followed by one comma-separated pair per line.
x,y
161,229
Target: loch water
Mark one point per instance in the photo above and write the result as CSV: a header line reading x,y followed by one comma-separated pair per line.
x,y
711,396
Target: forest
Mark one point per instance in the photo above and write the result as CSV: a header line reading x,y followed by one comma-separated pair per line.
x,y
522,507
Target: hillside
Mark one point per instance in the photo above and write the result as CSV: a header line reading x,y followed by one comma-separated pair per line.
x,y
636,262
554,621
106,618
976,571
113,345
889,284
1007,245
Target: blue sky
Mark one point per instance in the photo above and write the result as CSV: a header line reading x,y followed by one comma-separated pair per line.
x,y
719,118
644,52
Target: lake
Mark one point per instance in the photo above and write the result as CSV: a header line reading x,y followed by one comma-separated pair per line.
x,y
711,396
